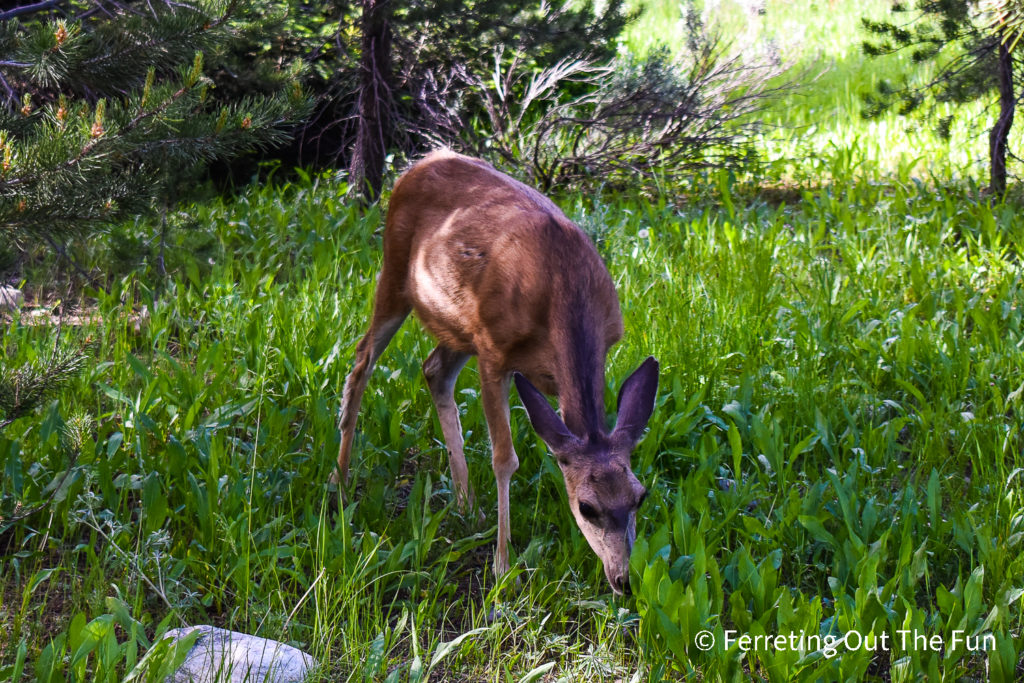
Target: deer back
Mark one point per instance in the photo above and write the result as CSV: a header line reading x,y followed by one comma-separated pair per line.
x,y
494,268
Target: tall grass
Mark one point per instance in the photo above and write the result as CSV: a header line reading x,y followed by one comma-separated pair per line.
x,y
821,41
836,447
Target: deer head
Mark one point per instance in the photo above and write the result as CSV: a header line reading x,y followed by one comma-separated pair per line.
x,y
603,492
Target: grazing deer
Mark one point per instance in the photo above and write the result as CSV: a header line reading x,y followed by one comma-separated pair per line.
x,y
494,269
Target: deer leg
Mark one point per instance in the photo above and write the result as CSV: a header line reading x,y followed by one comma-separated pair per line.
x,y
494,395
389,312
441,369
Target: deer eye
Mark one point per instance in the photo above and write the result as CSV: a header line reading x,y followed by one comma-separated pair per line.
x,y
588,511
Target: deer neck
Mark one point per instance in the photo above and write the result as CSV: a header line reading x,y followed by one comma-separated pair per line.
x,y
581,380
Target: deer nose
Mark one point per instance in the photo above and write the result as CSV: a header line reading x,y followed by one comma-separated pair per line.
x,y
621,583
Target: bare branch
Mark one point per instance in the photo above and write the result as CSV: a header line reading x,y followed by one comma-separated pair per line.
x,y
29,9
636,119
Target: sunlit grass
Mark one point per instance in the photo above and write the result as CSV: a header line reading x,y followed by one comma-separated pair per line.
x,y
821,41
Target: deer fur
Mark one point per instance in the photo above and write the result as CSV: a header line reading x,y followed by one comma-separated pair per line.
x,y
494,269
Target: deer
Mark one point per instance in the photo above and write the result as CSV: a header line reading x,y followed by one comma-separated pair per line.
x,y
494,269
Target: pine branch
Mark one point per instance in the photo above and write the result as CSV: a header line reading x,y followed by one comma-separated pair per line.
x,y
70,162
106,56
125,49
62,177
24,389
98,147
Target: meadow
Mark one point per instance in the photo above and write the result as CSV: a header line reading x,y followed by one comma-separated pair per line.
x,y
836,449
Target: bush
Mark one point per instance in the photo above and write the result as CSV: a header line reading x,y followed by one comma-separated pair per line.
x,y
628,120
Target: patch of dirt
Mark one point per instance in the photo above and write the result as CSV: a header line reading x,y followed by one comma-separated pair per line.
x,y
57,316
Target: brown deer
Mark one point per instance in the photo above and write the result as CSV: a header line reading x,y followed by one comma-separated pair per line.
x,y
494,269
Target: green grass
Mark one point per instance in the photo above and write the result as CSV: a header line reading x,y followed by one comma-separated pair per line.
x,y
821,42
836,446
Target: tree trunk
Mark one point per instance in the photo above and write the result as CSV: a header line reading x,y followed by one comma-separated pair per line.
x,y
366,170
1000,132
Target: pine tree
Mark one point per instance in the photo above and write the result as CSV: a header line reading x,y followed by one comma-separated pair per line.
x,y
418,59
104,105
104,110
974,58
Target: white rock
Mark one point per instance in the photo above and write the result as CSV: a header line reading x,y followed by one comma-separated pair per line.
x,y
221,656
10,298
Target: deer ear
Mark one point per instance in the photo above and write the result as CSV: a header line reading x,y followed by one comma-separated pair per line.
x,y
636,401
545,420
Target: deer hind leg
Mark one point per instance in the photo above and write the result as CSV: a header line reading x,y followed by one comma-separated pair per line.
x,y
389,312
494,394
441,369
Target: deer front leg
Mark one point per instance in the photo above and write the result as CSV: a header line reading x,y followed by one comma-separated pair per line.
x,y
441,369
494,394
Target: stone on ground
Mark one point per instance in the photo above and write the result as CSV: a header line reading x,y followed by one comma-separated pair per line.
x,y
10,299
221,656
